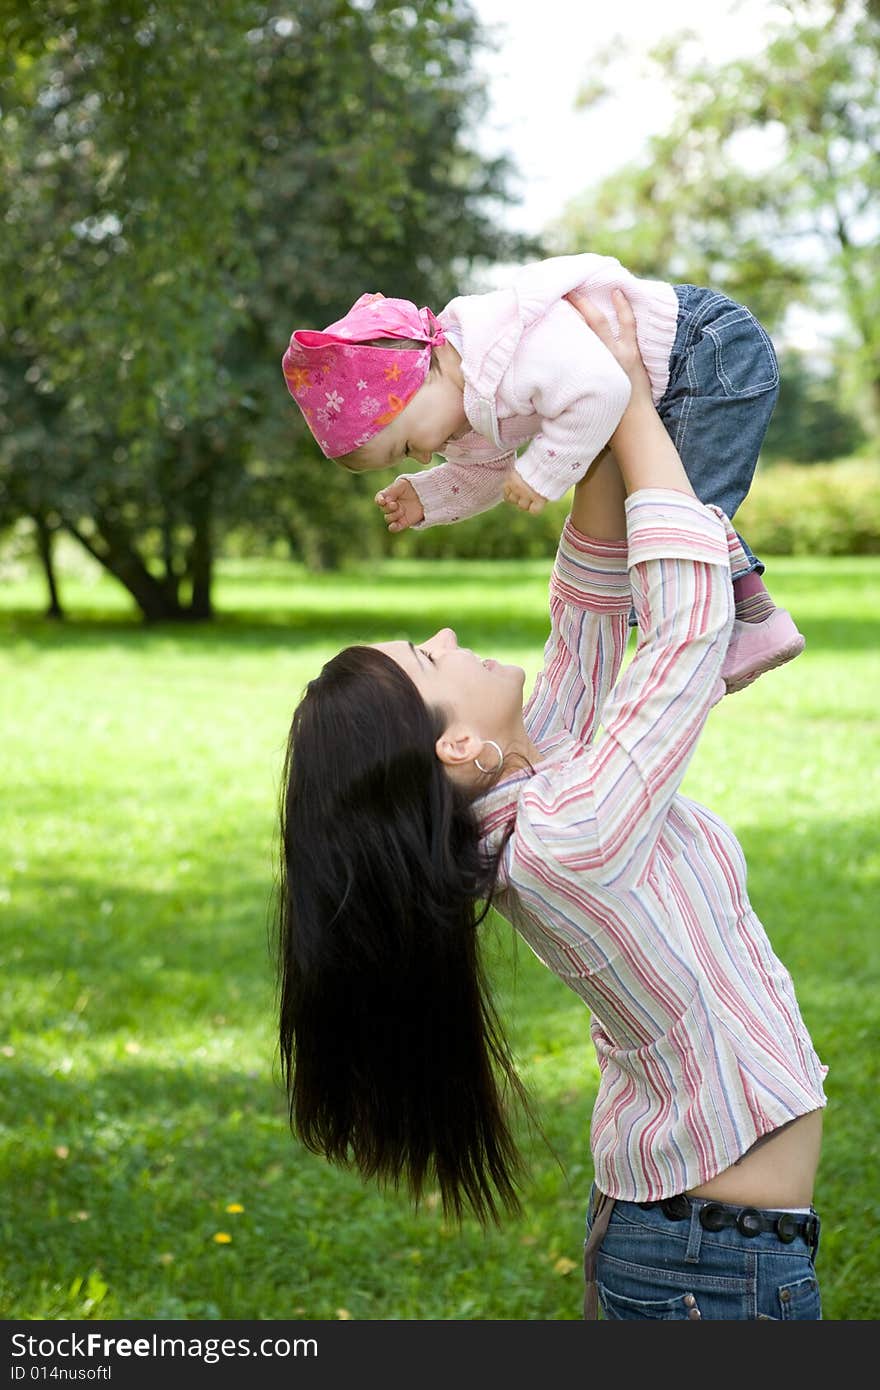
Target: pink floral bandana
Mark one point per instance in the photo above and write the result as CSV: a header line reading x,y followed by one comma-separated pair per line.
x,y
347,391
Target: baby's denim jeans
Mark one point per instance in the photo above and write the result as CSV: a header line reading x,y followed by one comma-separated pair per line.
x,y
649,1266
723,384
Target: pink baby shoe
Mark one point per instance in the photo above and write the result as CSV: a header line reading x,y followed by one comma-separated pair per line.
x,y
757,647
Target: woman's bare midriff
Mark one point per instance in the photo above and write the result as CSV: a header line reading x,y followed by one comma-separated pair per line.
x,y
779,1172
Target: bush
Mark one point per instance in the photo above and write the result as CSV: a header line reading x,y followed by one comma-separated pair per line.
x,y
820,509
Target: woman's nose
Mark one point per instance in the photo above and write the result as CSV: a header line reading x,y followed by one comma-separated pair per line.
x,y
444,638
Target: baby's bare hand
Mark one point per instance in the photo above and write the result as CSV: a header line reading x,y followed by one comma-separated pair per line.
x,y
519,494
401,505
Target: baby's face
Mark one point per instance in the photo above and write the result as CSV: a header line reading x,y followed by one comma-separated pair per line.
x,y
433,416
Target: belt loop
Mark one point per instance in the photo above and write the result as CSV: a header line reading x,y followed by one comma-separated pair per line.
x,y
695,1235
813,1235
603,1206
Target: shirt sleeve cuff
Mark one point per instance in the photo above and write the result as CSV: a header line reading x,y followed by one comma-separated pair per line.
x,y
591,573
663,524
550,478
434,497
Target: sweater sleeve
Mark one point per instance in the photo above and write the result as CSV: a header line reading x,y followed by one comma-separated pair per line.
x,y
602,813
589,603
576,388
453,492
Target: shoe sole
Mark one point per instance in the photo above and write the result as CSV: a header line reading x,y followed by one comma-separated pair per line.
x,y
786,654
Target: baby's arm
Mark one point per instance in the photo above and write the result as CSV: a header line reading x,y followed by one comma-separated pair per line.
x,y
444,494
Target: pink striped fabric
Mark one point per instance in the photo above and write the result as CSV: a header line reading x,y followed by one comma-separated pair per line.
x,y
632,893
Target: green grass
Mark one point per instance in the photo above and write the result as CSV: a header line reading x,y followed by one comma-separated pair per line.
x,y
140,1092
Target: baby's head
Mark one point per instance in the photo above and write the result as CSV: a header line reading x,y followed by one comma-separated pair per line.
x,y
378,386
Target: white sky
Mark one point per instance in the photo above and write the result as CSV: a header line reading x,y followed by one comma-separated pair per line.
x,y
546,50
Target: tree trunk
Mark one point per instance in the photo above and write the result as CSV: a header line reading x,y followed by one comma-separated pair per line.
x,y
201,556
44,549
171,581
861,310
120,559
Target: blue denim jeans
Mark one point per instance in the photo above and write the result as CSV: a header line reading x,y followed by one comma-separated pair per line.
x,y
651,1267
723,385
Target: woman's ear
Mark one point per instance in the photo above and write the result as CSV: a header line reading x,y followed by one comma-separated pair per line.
x,y
457,747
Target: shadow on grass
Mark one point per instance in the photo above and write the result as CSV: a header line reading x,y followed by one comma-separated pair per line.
x,y
131,1171
156,1151
812,891
481,622
291,629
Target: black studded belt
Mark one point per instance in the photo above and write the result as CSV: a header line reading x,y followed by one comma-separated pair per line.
x,y
749,1221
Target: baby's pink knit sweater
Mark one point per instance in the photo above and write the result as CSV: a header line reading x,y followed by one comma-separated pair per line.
x,y
534,370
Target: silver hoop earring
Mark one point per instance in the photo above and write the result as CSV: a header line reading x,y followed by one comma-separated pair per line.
x,y
500,757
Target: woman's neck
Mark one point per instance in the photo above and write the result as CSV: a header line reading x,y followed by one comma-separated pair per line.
x,y
519,745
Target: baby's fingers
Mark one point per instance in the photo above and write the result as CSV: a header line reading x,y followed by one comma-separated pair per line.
x,y
397,490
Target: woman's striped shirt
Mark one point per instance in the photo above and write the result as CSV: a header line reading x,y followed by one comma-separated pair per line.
x,y
633,894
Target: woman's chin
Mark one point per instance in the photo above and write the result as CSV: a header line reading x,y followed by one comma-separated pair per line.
x,y
504,668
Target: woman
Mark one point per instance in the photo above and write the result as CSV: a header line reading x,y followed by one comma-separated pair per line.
x,y
418,789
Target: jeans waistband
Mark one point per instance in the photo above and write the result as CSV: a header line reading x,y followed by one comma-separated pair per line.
x,y
749,1221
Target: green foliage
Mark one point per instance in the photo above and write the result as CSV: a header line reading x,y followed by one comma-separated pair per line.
x,y
809,424
767,183
140,1097
827,509
181,185
504,533
824,509
124,171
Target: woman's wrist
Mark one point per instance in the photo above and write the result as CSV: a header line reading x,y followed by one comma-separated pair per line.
x,y
597,506
645,454
644,451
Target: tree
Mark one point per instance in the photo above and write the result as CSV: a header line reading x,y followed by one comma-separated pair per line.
x,y
367,183
808,423
182,183
766,183
122,174
27,422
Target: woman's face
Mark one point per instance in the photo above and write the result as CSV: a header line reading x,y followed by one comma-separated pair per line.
x,y
481,695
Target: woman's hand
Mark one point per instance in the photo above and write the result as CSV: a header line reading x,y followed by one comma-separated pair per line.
x,y
625,347
642,449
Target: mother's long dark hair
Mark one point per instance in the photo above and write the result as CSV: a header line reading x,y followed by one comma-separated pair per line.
x,y
392,1053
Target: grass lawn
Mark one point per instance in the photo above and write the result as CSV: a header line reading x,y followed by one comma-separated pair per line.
x,y
145,1160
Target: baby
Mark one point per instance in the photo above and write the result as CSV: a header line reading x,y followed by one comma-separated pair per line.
x,y
520,366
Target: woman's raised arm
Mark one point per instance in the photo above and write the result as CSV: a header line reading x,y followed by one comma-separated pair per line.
x,y
597,507
644,452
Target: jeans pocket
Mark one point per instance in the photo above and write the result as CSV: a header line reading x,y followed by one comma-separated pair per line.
x,y
647,1279
800,1300
745,360
616,1307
